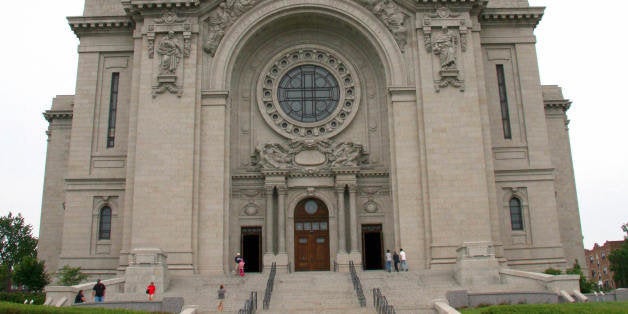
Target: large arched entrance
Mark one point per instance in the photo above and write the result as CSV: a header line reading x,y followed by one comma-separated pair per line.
x,y
311,235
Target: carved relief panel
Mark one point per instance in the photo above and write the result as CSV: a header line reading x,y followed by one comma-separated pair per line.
x,y
445,35
169,41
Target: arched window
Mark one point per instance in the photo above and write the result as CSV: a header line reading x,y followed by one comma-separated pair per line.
x,y
516,214
104,226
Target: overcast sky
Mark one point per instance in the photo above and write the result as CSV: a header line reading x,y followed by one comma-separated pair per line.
x,y
579,48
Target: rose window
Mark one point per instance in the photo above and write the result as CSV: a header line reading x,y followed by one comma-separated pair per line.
x,y
308,93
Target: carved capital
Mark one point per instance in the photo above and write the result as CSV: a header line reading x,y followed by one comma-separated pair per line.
x,y
353,188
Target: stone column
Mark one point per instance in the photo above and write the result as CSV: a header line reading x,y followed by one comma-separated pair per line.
x,y
353,213
269,220
342,242
281,218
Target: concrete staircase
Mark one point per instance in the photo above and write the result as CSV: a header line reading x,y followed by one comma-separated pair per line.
x,y
310,292
315,292
409,292
202,291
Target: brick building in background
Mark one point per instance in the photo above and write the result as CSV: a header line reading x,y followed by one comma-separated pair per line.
x,y
598,264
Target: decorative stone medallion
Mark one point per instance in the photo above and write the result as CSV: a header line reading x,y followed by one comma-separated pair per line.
x,y
370,207
308,92
251,209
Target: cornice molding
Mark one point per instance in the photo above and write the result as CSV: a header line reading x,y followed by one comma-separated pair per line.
x,y
50,115
81,25
562,104
133,6
519,16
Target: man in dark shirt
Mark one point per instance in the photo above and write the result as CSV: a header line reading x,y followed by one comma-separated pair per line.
x,y
99,291
396,261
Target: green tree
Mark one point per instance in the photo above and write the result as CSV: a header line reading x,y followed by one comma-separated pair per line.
x,y
70,276
586,286
16,242
5,277
619,262
31,273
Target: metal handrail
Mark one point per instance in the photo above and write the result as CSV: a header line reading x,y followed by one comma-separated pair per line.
x,y
381,304
357,285
269,286
250,305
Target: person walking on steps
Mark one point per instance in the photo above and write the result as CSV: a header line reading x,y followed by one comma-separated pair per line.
x,y
241,267
388,261
404,261
221,296
396,261
237,260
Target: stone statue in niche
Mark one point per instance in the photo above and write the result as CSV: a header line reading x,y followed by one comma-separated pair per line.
x,y
170,52
274,156
444,46
347,155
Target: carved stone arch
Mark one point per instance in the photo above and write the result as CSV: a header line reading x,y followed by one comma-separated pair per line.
x,y
520,193
265,13
322,196
102,201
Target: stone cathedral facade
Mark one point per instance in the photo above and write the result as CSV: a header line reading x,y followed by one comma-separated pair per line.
x,y
308,133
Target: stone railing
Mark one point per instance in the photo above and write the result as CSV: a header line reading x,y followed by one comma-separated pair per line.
x,y
64,295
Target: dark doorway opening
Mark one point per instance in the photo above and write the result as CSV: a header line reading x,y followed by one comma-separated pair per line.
x,y
251,243
372,250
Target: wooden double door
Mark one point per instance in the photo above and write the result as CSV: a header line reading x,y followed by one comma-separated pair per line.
x,y
311,235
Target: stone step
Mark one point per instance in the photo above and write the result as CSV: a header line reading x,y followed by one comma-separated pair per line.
x,y
310,292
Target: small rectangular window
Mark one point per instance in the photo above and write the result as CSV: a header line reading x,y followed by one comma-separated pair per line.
x,y
113,107
503,101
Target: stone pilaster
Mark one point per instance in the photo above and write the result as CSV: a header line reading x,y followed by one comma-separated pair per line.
x,y
269,220
342,239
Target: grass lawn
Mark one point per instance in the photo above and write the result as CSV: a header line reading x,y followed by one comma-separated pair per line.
x,y
572,308
15,308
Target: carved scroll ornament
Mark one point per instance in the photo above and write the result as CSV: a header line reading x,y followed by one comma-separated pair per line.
x,y
221,18
228,11
274,156
392,16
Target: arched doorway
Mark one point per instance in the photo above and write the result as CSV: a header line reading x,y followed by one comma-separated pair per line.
x,y
311,235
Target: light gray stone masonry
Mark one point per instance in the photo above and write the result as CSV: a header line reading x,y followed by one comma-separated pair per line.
x,y
402,141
